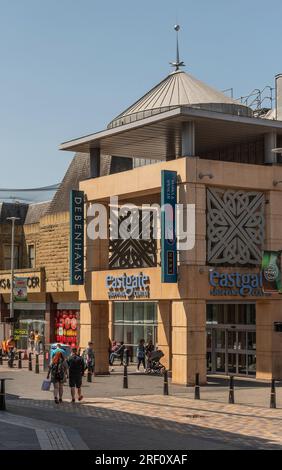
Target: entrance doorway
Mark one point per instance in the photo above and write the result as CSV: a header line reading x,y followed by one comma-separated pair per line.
x,y
133,321
231,348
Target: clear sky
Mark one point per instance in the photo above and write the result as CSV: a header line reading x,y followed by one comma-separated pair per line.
x,y
69,66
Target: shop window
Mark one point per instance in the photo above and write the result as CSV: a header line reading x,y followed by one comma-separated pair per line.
x,y
7,256
66,327
31,256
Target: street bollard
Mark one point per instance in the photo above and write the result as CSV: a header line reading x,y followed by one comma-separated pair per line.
x,y
126,357
1,357
37,363
273,395
197,387
125,377
2,396
89,374
165,383
20,360
231,390
30,361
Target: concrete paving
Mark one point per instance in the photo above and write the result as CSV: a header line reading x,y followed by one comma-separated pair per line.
x,y
140,417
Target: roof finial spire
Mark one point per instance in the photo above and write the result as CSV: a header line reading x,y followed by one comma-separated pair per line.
x,y
178,63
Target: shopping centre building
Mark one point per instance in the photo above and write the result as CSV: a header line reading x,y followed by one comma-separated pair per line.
x,y
216,316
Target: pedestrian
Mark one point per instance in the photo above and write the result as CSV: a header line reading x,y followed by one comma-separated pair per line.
x,y
11,350
141,354
149,348
58,370
118,353
37,342
90,357
76,371
31,340
57,349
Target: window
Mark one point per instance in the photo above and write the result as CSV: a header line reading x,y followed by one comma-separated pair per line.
x,y
31,256
7,257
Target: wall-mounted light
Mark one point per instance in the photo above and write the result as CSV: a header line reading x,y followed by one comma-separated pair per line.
x,y
203,175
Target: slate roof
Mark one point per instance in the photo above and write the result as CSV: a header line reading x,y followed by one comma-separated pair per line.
x,y
13,209
36,211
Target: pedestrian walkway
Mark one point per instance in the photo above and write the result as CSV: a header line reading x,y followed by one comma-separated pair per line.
x,y
142,417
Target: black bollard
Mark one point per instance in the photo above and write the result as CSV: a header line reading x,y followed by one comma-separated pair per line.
x,y
126,357
165,383
273,395
30,361
125,377
231,390
20,360
37,363
197,387
89,374
2,396
1,357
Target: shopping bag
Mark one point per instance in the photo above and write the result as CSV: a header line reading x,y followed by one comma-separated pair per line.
x,y
46,384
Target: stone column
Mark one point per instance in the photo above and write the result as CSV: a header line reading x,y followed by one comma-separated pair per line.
x,y
188,139
270,142
164,331
188,341
95,162
269,342
94,326
50,320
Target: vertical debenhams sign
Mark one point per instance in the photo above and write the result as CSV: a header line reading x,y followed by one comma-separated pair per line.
x,y
76,237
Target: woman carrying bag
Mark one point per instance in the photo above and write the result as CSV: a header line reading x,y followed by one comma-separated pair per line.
x,y
58,370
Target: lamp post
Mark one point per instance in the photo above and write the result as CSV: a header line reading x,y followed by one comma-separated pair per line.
x,y
13,220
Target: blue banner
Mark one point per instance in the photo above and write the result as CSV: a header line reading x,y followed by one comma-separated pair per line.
x,y
168,226
76,237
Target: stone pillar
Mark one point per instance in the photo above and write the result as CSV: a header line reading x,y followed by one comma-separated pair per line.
x,y
95,162
269,342
270,142
94,326
188,341
164,331
50,320
188,139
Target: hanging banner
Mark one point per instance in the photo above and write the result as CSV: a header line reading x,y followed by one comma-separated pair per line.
x,y
20,289
168,226
271,272
76,237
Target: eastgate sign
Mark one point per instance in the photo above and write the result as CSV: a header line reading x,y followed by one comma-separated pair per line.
x,y
236,284
128,286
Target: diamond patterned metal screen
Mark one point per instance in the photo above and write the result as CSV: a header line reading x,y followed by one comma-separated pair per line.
x,y
133,252
235,227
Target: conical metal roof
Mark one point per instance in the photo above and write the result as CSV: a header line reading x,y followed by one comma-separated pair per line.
x,y
180,89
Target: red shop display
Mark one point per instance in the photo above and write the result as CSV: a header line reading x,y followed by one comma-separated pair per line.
x,y
66,327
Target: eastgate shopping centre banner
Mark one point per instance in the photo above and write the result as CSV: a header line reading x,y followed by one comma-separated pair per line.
x,y
168,226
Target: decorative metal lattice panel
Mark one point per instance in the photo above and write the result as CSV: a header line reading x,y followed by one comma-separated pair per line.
x,y
235,226
133,252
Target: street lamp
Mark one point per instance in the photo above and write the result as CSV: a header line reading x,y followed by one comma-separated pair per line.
x,y
13,220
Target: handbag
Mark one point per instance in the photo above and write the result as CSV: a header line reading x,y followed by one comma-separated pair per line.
x,y
46,384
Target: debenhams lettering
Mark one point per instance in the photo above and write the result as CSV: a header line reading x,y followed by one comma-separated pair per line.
x,y
128,286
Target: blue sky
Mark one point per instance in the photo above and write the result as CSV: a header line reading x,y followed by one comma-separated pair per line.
x,y
68,66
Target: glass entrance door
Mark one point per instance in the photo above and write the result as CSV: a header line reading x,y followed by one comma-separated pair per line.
x,y
231,351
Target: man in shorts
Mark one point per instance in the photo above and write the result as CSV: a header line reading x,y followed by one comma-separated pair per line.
x,y
76,371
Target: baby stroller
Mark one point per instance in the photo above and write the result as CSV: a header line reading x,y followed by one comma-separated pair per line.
x,y
154,365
